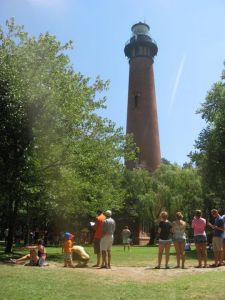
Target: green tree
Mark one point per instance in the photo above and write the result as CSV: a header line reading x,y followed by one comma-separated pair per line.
x,y
169,188
62,158
209,156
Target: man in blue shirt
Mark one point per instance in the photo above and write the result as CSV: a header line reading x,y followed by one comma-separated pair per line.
x,y
217,243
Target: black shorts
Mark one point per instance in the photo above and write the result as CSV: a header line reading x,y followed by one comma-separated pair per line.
x,y
97,246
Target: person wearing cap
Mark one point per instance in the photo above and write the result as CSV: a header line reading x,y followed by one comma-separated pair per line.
x,y
98,234
106,242
67,249
217,242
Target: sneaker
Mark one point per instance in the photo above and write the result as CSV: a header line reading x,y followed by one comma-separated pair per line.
x,y
12,260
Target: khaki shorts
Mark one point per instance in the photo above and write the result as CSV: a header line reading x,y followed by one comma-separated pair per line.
x,y
106,242
217,243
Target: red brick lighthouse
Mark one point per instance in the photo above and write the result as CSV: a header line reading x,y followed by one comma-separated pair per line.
x,y
142,120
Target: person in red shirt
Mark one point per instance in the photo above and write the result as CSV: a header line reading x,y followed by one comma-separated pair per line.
x,y
100,218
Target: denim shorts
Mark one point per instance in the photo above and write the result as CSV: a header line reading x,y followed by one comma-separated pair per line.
x,y
200,239
165,242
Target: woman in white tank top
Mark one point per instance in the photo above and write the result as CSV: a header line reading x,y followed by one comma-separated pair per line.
x,y
179,238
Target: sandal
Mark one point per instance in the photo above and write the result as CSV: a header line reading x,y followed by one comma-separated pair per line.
x,y
103,267
213,266
167,267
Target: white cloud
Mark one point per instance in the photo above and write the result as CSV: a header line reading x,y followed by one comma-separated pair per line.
x,y
177,82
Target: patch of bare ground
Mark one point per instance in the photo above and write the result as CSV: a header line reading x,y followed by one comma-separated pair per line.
x,y
140,274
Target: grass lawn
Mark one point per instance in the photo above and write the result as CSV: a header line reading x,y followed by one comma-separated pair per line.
x,y
56,282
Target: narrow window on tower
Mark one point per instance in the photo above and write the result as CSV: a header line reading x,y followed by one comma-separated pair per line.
x,y
136,100
137,51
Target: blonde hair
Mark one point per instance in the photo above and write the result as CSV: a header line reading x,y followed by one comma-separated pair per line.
x,y
198,213
163,215
179,215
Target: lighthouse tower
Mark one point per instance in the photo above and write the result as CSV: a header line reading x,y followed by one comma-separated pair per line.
x,y
142,120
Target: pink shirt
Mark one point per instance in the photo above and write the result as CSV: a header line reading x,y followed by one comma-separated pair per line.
x,y
199,224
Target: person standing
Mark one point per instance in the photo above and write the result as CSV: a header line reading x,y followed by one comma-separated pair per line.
x,y
179,238
126,237
98,234
67,250
223,217
6,234
164,233
106,242
200,239
217,242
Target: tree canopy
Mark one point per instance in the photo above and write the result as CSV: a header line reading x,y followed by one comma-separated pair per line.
x,y
60,157
209,156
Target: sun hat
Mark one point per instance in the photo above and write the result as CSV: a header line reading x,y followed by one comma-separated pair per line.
x,y
108,213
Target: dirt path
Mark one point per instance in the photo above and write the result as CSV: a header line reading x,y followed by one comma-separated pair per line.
x,y
133,274
141,274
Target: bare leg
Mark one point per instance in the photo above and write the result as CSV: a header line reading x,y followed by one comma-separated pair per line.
x,y
204,254
109,259
160,253
23,258
198,249
98,259
223,251
104,263
182,253
167,249
216,257
176,245
221,257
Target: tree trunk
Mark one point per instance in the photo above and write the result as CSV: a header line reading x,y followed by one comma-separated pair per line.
x,y
152,235
12,223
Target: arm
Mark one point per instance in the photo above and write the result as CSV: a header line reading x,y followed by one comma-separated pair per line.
x,y
31,247
173,227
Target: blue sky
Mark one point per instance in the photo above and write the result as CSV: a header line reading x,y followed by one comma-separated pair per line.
x,y
190,38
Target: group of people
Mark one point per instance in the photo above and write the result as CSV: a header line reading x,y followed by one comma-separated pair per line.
x,y
73,252
168,233
175,232
36,256
103,238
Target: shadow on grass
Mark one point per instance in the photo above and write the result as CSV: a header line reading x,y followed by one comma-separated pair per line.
x,y
192,254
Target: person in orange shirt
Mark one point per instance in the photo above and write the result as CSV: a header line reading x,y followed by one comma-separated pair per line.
x,y
67,249
98,235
